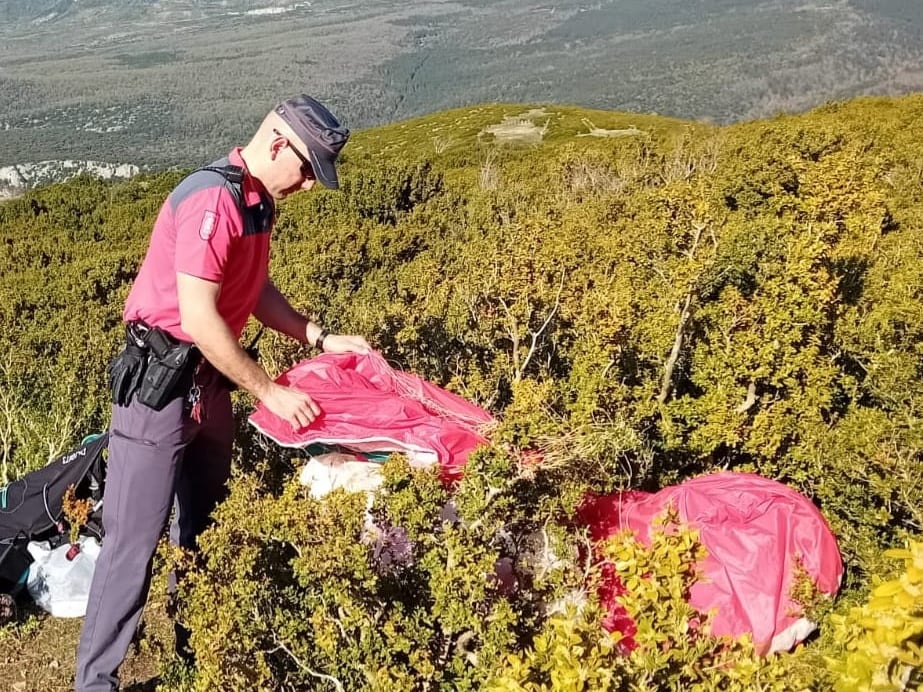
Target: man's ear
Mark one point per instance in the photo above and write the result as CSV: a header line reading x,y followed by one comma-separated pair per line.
x,y
278,144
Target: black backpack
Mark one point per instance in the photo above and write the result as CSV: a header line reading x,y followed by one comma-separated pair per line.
x,y
31,507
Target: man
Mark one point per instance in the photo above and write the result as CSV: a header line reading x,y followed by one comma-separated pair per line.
x,y
205,273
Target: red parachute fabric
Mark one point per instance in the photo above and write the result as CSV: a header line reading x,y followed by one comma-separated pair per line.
x,y
368,406
757,533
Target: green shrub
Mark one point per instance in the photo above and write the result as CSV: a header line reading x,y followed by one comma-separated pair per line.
x,y
882,640
658,643
637,309
294,591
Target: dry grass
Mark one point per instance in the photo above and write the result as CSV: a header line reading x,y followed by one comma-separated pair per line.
x,y
597,450
38,652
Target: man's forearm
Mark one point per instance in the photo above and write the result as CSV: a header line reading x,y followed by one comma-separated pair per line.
x,y
216,342
274,311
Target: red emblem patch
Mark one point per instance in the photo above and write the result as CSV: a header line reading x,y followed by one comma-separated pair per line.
x,y
207,227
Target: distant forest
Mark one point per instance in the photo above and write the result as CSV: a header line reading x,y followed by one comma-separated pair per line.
x,y
178,82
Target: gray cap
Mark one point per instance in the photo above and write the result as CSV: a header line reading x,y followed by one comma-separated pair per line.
x,y
320,131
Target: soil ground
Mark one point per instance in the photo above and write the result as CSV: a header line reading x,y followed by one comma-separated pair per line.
x,y
38,652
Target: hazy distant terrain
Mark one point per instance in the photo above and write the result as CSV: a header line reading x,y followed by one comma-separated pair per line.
x,y
174,82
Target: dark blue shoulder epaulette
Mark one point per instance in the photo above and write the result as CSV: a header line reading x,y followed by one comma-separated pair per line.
x,y
234,179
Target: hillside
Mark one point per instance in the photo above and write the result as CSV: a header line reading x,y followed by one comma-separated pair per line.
x,y
642,299
164,84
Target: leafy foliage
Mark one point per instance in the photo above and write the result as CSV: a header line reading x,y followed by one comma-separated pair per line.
x,y
661,643
882,637
636,308
320,594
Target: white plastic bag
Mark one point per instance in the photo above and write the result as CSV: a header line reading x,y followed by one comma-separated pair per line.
x,y
60,586
325,472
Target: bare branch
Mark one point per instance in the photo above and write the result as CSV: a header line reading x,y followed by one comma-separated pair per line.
x,y
514,335
308,670
336,621
666,382
464,639
697,228
657,270
750,400
537,334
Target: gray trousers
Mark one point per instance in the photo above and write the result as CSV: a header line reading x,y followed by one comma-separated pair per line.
x,y
157,459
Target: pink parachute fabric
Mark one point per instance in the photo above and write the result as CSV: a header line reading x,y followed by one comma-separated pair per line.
x,y
367,406
759,534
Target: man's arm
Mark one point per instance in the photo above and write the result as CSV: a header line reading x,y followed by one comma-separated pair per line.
x,y
198,300
274,311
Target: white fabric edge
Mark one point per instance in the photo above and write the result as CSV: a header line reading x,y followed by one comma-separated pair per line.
x,y
423,454
791,635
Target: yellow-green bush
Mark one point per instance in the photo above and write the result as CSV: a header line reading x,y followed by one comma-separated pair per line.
x,y
667,646
296,592
638,308
882,640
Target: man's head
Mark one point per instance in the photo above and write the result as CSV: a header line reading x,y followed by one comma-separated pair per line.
x,y
320,132
297,144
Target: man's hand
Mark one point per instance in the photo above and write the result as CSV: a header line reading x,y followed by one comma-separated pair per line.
x,y
292,405
297,407
345,343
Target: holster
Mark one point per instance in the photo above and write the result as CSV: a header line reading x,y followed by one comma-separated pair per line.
x,y
153,366
170,363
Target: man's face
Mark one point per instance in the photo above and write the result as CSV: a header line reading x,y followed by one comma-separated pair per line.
x,y
294,167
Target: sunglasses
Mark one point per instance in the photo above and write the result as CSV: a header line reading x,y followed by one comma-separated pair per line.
x,y
307,170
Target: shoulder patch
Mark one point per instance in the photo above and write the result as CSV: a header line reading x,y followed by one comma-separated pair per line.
x,y
207,227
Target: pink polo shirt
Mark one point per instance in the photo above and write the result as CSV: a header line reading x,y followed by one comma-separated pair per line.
x,y
200,231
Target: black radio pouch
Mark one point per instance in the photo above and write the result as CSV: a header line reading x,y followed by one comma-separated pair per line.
x,y
169,361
